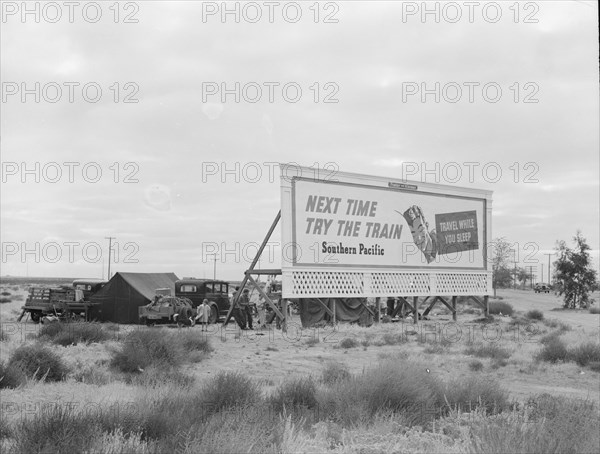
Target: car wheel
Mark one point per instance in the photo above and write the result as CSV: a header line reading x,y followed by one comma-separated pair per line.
x,y
214,315
35,317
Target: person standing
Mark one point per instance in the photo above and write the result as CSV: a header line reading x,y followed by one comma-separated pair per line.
x,y
203,313
244,302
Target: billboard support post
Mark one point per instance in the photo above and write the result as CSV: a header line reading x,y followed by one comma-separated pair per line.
x,y
454,298
248,278
416,314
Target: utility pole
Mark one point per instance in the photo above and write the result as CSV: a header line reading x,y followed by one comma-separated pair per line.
x,y
514,254
530,276
214,266
109,238
549,273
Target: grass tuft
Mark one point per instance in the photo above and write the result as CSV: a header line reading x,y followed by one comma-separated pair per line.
x,y
311,342
335,372
348,342
55,428
488,351
294,393
475,392
230,389
11,376
475,365
393,339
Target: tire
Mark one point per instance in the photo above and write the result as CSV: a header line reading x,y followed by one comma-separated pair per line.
x,y
143,321
214,315
186,312
35,317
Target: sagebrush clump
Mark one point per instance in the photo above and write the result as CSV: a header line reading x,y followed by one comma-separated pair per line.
x,y
39,362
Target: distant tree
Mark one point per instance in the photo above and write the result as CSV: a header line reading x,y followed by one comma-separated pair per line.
x,y
522,276
575,278
501,254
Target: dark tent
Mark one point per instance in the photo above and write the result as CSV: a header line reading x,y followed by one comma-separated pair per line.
x,y
120,298
346,310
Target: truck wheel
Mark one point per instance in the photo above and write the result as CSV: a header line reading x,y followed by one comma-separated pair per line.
x,y
35,317
214,315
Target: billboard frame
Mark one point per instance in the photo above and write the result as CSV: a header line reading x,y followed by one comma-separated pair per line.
x,y
337,280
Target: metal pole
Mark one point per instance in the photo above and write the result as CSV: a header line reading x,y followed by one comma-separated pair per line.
x,y
109,238
549,273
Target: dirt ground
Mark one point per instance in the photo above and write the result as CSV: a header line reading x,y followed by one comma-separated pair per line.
x,y
270,355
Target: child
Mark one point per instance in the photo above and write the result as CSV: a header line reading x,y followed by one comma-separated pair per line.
x,y
203,312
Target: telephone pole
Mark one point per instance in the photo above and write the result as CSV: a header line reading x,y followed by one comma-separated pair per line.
x,y
109,238
514,254
530,276
549,273
214,256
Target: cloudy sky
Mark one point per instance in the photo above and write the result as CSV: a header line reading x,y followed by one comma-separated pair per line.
x,y
128,119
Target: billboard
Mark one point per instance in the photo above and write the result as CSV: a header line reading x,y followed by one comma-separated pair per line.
x,y
353,225
375,231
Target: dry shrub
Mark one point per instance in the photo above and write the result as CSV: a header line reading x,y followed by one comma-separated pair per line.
x,y
549,424
393,339
348,342
297,392
334,372
488,350
55,428
475,365
550,337
192,342
158,375
404,388
90,373
475,392
230,389
250,430
535,315
585,354
37,361
73,333
553,323
554,350
156,347
500,307
11,376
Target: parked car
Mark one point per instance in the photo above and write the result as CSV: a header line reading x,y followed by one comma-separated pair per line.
x,y
215,291
164,307
541,287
